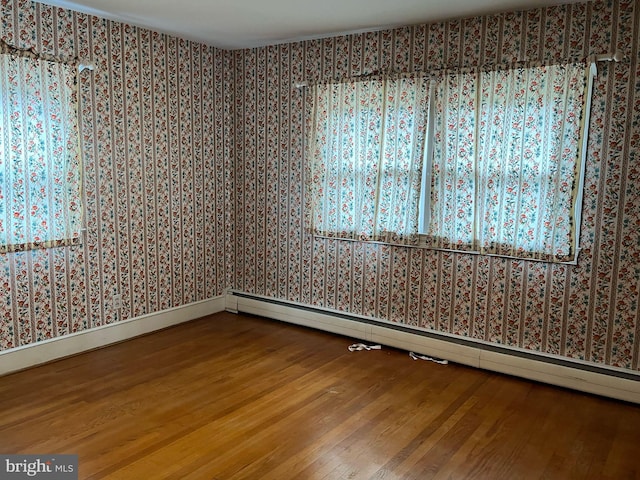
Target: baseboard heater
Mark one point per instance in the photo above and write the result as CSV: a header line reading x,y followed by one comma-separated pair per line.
x,y
587,377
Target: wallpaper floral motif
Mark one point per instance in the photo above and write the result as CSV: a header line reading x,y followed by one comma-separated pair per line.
x,y
151,116
588,311
194,182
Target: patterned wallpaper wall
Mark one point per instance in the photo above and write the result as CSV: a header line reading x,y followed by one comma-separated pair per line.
x,y
154,179
194,181
588,311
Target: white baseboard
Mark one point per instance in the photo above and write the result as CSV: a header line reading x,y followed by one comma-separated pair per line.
x,y
564,372
48,350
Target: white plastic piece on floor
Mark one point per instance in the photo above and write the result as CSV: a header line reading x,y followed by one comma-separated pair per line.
x,y
416,356
362,346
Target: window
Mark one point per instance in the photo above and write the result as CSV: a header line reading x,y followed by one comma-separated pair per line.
x,y
40,174
507,162
366,146
499,154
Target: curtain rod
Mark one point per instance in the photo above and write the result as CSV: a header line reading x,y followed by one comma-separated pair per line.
x,y
31,53
603,57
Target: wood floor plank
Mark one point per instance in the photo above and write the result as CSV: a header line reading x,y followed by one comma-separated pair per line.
x,y
233,397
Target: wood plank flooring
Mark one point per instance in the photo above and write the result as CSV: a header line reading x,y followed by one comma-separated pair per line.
x,y
241,397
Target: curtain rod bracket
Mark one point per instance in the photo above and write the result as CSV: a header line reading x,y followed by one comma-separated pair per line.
x,y
608,57
86,66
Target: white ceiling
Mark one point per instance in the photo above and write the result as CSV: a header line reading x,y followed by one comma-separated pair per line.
x,y
235,24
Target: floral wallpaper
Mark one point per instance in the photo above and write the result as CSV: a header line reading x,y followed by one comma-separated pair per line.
x,y
153,177
586,311
194,182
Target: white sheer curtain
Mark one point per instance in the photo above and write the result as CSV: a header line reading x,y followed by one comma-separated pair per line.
x,y
507,159
40,172
365,147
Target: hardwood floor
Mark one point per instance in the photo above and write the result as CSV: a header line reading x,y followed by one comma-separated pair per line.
x,y
240,397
